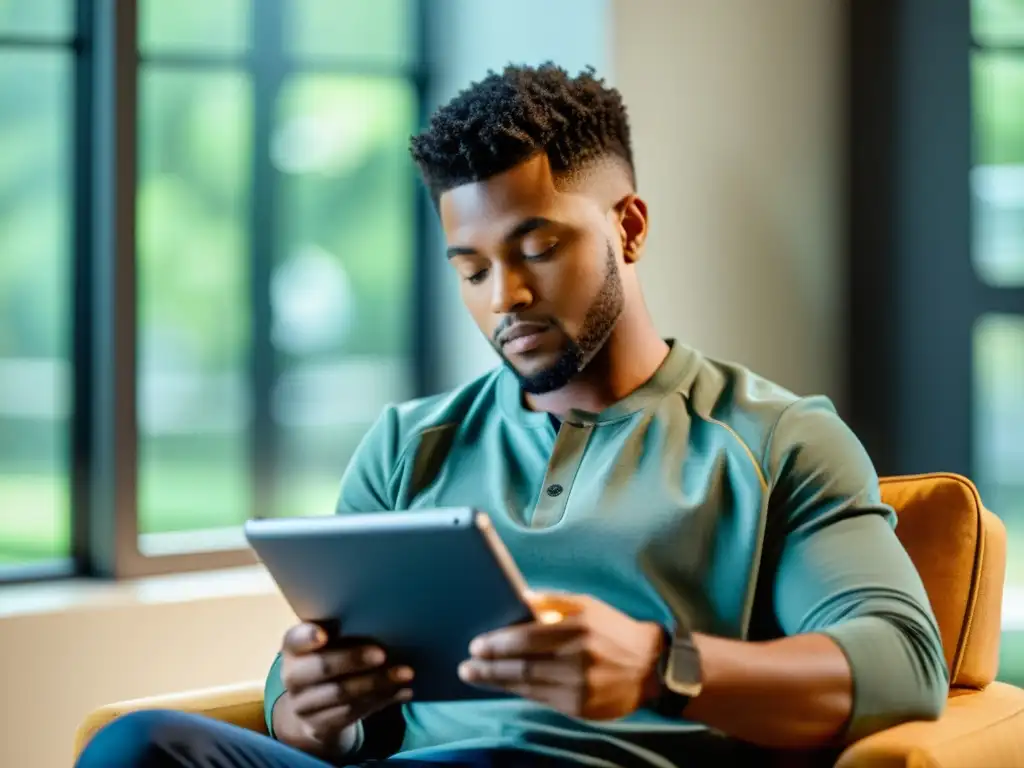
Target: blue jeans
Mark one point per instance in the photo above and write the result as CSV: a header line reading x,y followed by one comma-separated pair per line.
x,y
163,739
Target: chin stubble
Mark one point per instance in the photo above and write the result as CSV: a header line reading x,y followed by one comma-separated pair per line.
x,y
598,324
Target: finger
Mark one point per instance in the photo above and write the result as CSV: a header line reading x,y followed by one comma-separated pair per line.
x,y
328,723
347,690
565,697
521,640
511,672
539,692
303,638
373,704
314,668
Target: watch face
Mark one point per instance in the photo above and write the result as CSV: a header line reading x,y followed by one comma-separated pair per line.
x,y
683,670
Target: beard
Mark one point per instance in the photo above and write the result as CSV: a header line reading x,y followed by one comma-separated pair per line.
x,y
577,353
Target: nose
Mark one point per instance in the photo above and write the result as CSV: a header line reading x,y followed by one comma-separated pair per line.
x,y
509,292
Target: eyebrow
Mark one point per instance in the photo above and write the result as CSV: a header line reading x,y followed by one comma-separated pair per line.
x,y
522,229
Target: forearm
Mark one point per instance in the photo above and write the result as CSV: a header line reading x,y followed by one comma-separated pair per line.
x,y
791,693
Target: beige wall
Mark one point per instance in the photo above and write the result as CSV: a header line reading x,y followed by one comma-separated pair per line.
x,y
737,120
737,126
123,642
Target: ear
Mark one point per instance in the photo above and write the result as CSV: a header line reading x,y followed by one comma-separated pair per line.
x,y
632,215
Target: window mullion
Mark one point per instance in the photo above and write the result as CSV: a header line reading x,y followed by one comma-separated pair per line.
x,y
268,73
108,532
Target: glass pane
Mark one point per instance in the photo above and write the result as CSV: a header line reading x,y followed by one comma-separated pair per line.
x,y
997,181
342,286
194,26
35,287
195,146
377,31
996,22
31,18
999,457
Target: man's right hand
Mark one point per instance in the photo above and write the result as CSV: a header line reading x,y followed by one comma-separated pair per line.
x,y
328,690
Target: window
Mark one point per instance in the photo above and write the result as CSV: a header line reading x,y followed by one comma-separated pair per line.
x,y
194,247
258,264
936,255
997,195
275,248
36,170
997,179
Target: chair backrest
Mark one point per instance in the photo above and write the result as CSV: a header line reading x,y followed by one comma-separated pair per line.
x,y
959,548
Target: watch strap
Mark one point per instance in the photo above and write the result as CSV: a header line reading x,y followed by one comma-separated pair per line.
x,y
668,703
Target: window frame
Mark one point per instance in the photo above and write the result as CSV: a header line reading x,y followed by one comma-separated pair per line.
x,y
103,453
914,295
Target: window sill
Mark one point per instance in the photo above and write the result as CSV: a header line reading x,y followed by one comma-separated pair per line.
x,y
89,594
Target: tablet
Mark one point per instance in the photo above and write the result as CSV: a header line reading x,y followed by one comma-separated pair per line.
x,y
423,584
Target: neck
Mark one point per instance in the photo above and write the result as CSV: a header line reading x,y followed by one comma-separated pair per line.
x,y
633,353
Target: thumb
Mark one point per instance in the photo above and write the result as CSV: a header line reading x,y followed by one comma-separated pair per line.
x,y
304,638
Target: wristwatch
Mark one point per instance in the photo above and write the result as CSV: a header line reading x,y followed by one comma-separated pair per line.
x,y
680,672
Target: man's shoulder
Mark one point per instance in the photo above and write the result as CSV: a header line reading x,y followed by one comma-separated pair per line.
x,y
411,419
731,392
750,406
375,478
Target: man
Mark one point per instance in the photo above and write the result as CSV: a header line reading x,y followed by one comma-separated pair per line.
x,y
727,578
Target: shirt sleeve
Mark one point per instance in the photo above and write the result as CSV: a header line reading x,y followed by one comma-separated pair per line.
x,y
843,572
366,486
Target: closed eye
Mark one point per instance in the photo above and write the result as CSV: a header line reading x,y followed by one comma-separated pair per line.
x,y
549,251
477,277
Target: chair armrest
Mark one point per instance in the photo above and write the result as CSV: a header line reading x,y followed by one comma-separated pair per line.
x,y
978,728
240,705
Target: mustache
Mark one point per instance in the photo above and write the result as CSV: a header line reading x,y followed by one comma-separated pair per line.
x,y
509,320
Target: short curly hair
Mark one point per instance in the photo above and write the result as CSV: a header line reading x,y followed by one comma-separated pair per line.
x,y
504,119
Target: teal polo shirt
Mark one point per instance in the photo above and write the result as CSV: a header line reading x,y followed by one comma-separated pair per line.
x,y
709,492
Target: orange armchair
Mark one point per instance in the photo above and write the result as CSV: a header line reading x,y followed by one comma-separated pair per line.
x,y
959,548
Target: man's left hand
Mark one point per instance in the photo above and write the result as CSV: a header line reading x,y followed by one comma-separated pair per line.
x,y
581,657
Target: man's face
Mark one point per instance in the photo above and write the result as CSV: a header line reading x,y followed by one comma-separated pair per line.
x,y
538,270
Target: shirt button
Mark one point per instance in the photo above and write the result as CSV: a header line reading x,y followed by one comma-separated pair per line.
x,y
554,490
